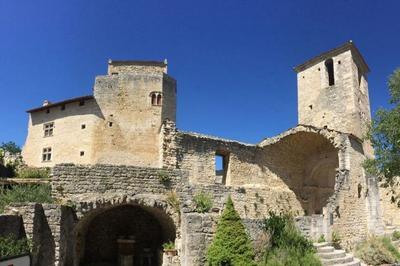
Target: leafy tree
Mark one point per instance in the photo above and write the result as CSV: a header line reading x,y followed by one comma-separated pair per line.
x,y
384,134
11,147
231,245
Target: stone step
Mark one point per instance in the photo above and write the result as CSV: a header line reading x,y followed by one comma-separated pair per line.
x,y
326,249
322,244
333,255
338,261
355,262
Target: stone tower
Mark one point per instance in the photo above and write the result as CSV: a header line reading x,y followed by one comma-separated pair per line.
x,y
333,91
135,98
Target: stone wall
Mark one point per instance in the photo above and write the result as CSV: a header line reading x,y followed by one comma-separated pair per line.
x,y
390,198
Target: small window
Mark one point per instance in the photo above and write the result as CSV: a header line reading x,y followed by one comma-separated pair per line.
x,y
63,107
81,103
329,70
110,124
114,73
46,155
221,166
47,111
48,129
82,153
83,126
156,98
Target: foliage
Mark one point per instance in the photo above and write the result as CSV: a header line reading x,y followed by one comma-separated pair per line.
x,y
11,246
231,244
203,202
11,147
384,134
396,235
321,239
30,172
377,251
287,245
169,245
336,240
25,193
173,201
163,177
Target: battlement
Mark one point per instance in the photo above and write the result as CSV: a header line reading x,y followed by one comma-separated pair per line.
x,y
146,67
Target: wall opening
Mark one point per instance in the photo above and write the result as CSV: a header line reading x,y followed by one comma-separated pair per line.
x,y
330,71
221,166
130,233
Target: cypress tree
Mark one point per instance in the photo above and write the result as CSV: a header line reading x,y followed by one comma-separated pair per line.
x,y
231,244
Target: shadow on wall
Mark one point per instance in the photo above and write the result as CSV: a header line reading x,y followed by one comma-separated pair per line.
x,y
43,251
307,162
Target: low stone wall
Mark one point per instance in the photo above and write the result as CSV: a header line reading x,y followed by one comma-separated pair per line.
x,y
87,183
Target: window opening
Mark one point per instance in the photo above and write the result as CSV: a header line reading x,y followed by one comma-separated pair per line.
x,y
47,111
63,107
221,166
83,126
81,103
82,153
110,124
46,155
48,129
329,69
159,99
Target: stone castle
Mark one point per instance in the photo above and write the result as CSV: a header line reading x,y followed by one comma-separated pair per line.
x,y
122,173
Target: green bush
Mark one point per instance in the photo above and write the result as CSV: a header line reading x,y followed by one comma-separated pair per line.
x,y
163,177
231,244
336,240
203,202
25,193
169,245
321,239
396,235
377,251
33,173
287,245
173,201
11,246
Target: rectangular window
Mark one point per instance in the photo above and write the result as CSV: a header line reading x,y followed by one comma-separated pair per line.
x,y
81,103
221,166
48,129
46,155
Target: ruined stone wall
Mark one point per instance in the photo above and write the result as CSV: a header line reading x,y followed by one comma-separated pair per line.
x,y
88,183
121,67
69,139
389,198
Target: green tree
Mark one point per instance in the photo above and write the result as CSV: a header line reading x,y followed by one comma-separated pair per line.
x,y
384,134
231,245
11,147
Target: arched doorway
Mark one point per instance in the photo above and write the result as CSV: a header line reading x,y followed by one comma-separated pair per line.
x,y
107,235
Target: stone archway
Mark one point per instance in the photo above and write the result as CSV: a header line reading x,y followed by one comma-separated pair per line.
x,y
106,232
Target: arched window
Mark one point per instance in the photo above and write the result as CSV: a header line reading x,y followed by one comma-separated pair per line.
x,y
156,98
159,99
329,70
153,99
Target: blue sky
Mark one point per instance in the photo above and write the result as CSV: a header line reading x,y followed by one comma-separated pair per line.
x,y
233,59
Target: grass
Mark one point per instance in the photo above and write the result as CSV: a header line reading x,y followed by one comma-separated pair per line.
x,y
287,245
203,202
11,246
33,173
396,235
25,193
378,250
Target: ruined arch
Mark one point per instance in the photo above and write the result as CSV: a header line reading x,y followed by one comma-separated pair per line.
x,y
149,222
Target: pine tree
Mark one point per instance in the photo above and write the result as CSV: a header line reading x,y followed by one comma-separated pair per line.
x,y
231,245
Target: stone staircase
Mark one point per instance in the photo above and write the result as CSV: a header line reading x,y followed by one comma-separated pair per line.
x,y
331,256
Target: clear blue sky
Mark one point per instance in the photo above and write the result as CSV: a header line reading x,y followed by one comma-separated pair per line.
x,y
233,59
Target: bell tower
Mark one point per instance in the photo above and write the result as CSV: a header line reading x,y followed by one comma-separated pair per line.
x,y
333,91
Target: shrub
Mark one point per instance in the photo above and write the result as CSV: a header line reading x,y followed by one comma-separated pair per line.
x,y
396,235
30,172
231,244
336,240
163,177
287,245
169,245
173,201
25,193
321,239
11,246
203,202
377,251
